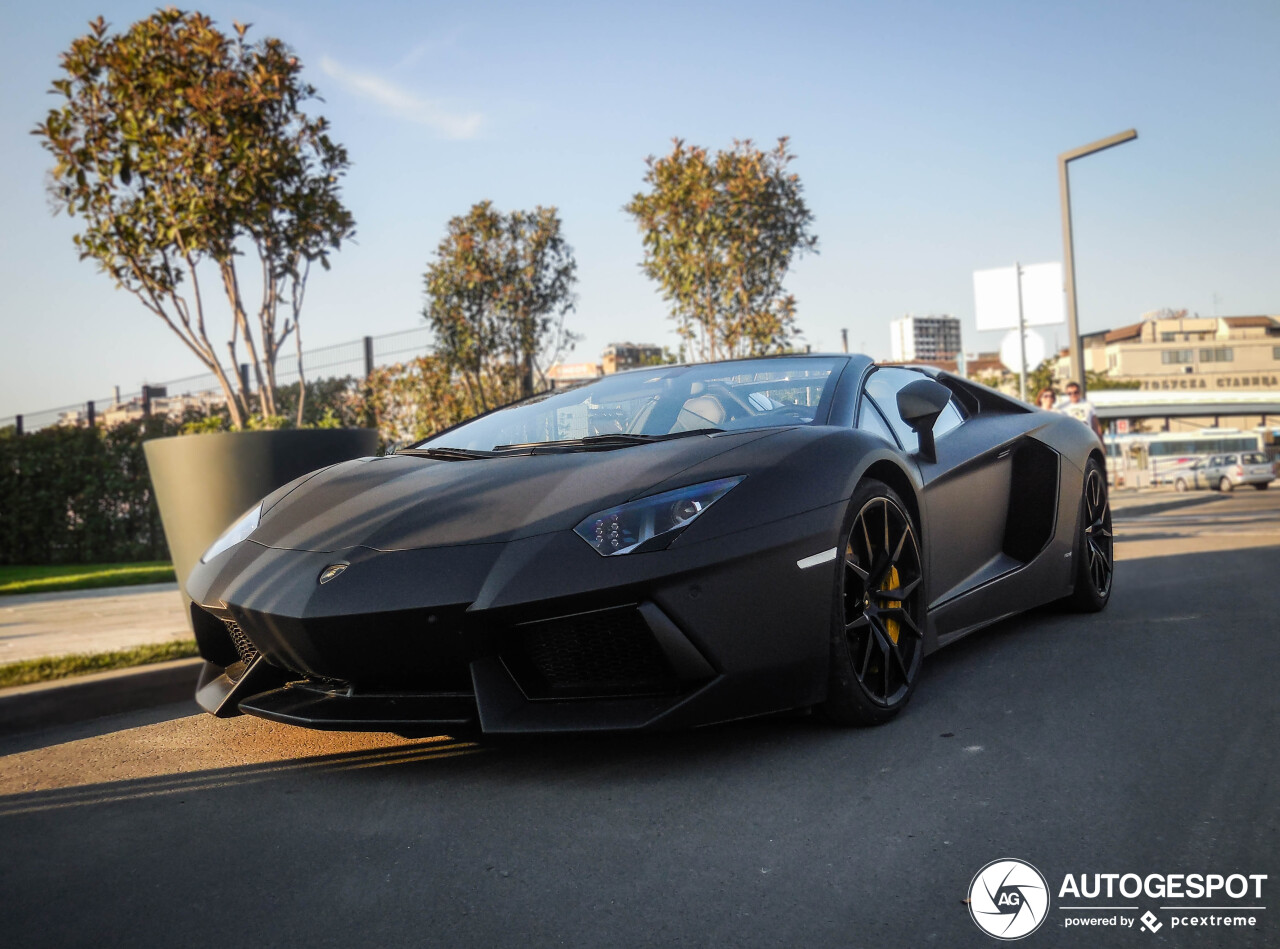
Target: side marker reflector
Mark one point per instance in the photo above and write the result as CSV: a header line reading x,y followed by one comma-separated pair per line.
x,y
825,557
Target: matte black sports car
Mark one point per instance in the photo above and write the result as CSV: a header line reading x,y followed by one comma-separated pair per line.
x,y
665,547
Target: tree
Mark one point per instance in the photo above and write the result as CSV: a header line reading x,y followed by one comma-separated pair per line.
x,y
410,401
498,293
719,236
1041,377
180,147
1101,381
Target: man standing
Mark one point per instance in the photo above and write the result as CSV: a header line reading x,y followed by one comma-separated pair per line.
x,y
1081,409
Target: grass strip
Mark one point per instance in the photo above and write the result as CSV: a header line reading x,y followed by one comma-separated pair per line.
x,y
47,669
81,576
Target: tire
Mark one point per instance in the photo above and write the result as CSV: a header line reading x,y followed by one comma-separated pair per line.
x,y
1225,485
877,642
1262,486
1094,551
1180,485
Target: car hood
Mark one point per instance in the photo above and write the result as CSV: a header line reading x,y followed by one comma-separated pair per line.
x,y
404,502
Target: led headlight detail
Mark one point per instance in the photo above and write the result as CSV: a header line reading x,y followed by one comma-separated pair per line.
x,y
651,523
242,528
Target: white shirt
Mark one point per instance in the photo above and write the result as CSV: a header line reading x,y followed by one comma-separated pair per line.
x,y
1081,411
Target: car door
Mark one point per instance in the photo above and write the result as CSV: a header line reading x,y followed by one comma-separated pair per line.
x,y
966,487
1195,473
1207,477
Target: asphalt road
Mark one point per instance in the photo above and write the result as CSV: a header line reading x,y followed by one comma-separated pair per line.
x,y
1142,740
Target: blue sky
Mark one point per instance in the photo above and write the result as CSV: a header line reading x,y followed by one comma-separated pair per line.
x,y
927,135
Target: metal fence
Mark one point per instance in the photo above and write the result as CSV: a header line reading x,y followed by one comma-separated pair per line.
x,y
358,358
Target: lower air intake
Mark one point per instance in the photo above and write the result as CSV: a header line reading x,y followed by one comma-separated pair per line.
x,y
602,653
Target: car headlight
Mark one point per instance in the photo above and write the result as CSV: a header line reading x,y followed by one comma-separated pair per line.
x,y
242,528
651,523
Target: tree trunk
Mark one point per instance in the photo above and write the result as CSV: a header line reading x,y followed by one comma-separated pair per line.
x,y
302,380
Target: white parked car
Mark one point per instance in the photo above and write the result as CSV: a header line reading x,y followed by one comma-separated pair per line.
x,y
1226,472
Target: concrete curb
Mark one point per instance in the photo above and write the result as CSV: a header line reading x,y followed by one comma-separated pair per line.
x,y
1156,507
80,698
93,593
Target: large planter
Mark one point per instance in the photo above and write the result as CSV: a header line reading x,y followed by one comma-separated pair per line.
x,y
204,482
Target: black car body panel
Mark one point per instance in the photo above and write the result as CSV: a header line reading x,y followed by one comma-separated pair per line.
x,y
462,596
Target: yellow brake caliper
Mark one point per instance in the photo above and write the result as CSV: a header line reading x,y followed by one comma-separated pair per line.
x,y
893,626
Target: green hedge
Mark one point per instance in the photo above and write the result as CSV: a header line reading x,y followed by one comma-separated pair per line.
x,y
79,495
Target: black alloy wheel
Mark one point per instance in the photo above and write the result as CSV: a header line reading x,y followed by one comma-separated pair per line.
x,y
878,641
1095,551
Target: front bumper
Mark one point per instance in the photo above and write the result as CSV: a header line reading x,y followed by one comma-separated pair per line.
x,y
539,634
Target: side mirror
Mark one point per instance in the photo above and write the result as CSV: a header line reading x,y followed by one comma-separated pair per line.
x,y
920,403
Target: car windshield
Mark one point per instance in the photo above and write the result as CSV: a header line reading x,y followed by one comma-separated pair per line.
x,y
662,402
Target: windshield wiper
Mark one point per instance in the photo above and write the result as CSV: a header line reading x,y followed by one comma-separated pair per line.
x,y
448,454
589,443
603,442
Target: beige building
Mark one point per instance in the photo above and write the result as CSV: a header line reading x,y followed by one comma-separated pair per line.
x,y
1190,353
563,374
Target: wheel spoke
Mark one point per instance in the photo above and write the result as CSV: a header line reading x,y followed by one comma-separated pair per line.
x,y
902,666
857,623
888,651
866,656
1102,567
897,551
862,574
1099,565
901,593
905,618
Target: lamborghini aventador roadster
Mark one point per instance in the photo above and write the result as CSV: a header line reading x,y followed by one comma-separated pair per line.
x,y
665,547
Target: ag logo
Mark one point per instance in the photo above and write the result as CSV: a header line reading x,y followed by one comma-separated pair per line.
x,y
1008,899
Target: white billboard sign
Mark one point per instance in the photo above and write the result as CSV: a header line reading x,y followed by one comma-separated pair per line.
x,y
995,297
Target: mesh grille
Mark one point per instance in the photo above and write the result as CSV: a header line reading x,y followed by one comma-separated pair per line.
x,y
610,652
244,648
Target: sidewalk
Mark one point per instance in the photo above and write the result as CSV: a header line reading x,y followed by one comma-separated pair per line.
x,y
35,625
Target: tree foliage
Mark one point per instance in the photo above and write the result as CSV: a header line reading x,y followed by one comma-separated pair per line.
x,y
720,233
182,148
1100,381
1041,377
498,292
413,400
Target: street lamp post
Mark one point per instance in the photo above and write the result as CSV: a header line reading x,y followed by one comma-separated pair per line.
x,y
1069,262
